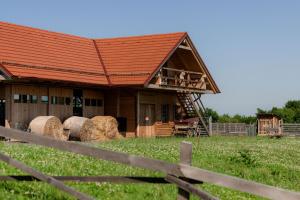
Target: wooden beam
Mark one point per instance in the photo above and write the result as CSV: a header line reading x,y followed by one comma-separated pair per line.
x,y
156,165
189,188
137,113
185,47
181,70
42,177
162,87
98,179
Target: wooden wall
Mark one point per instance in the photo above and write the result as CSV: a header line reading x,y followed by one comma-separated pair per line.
x,y
127,109
158,127
19,115
268,122
61,111
91,111
122,103
116,102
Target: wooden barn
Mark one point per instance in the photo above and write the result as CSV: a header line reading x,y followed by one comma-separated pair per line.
x,y
146,82
268,123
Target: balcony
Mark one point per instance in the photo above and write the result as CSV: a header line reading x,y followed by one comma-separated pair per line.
x,y
177,79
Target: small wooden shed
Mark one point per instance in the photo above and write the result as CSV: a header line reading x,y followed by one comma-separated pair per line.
x,y
269,123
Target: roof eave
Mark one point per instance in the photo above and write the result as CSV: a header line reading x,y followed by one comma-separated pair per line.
x,y
7,74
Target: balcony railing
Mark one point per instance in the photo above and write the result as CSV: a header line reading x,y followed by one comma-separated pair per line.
x,y
182,79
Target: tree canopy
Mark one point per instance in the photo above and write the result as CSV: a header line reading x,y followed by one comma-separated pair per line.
x,y
290,113
226,118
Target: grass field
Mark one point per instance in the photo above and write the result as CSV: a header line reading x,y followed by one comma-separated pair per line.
x,y
271,161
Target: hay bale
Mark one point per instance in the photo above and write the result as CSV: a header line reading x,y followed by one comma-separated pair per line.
x,y
108,126
49,126
82,129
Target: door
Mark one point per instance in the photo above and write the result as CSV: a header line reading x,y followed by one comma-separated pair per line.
x,y
77,102
147,120
2,112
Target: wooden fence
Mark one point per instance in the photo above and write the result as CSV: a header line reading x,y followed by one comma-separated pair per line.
x,y
183,175
232,129
291,129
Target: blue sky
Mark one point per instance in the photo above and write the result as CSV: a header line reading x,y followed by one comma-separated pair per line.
x,y
252,48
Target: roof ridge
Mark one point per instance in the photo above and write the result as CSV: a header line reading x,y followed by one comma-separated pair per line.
x,y
83,37
140,36
43,30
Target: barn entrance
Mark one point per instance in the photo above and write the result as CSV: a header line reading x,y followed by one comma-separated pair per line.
x,y
2,112
77,102
147,120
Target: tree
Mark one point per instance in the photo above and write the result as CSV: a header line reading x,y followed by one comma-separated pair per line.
x,y
293,104
213,114
290,112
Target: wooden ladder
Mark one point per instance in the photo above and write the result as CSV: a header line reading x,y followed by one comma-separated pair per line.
x,y
193,107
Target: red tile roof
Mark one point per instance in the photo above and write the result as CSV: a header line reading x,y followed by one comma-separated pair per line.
x,y
33,53
134,59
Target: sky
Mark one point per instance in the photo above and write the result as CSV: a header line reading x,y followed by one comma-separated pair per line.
x,y
252,48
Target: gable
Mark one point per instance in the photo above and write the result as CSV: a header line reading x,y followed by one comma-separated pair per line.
x,y
187,63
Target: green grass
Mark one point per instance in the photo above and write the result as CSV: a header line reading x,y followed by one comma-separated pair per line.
x,y
271,161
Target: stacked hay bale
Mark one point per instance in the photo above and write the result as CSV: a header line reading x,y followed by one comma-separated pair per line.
x,y
108,126
49,126
82,129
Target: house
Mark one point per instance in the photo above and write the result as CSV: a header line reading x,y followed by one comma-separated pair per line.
x,y
146,82
269,123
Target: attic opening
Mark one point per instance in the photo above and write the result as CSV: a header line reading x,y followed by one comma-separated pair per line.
x,y
184,70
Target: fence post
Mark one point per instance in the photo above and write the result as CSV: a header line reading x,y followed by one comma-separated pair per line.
x,y
210,126
186,159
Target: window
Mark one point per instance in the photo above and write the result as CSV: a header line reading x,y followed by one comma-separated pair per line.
x,y
93,102
60,100
68,101
17,98
32,98
87,102
25,98
99,102
165,113
44,99
53,100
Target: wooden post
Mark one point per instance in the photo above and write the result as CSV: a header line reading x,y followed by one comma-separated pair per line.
x,y
118,103
186,159
137,133
48,105
210,126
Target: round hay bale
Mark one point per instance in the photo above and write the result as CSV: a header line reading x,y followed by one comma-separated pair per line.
x,y
49,126
107,125
82,129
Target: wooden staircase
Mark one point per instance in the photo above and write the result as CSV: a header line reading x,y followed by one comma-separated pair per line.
x,y
193,107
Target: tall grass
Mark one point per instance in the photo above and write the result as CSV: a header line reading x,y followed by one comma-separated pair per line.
x,y
271,161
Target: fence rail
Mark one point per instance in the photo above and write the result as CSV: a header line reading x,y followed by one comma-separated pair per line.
x,y
174,172
232,129
291,129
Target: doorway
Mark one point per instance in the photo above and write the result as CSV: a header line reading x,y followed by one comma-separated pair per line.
x,y
147,120
77,102
2,112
